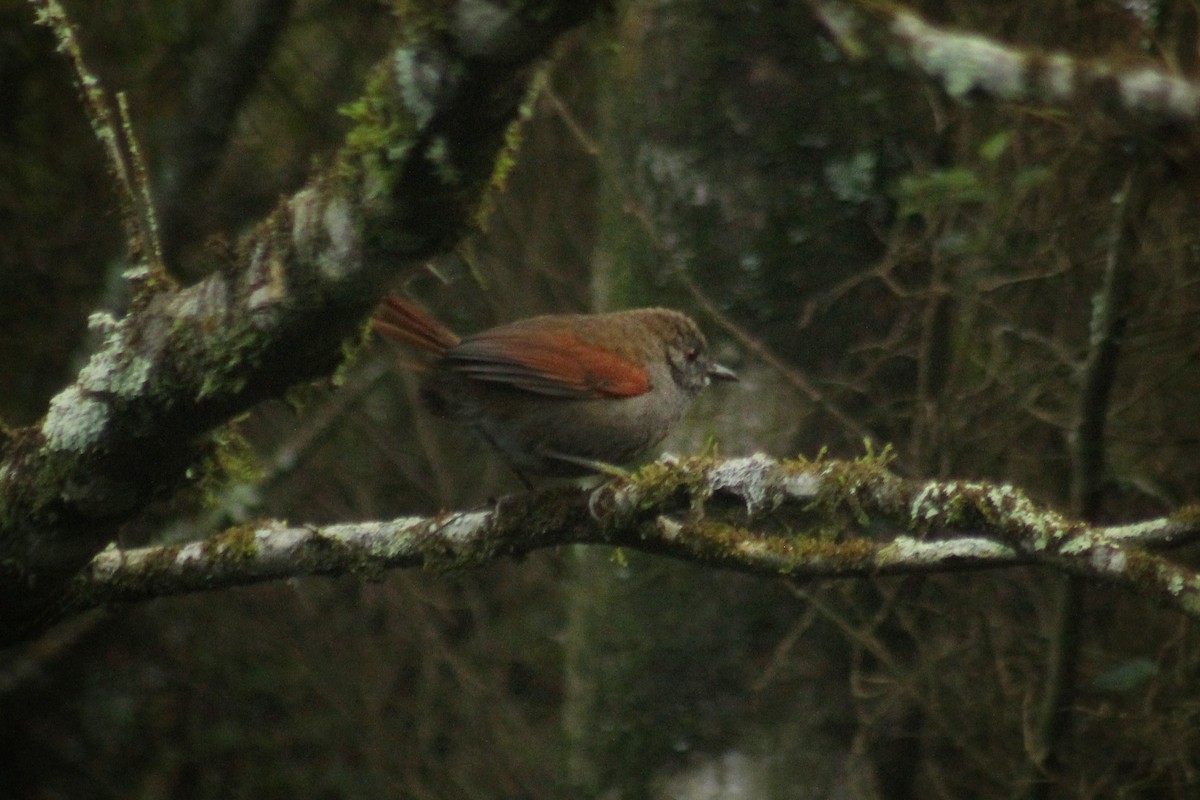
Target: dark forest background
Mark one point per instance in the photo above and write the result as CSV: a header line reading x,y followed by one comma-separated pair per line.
x,y
879,261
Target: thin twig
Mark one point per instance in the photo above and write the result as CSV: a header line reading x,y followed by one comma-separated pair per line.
x,y
1087,444
756,346
115,133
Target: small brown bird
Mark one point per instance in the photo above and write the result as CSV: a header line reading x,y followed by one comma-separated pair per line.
x,y
562,394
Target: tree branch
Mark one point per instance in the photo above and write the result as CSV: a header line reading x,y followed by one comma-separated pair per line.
x,y
279,308
970,65
792,519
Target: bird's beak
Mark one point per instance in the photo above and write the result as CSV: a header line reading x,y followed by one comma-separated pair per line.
x,y
719,373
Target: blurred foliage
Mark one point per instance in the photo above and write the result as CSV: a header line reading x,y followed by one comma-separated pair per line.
x,y
929,267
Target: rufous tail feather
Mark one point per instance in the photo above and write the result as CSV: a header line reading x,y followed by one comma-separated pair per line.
x,y
405,321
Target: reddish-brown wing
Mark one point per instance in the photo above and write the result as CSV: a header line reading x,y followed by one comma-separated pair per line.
x,y
553,363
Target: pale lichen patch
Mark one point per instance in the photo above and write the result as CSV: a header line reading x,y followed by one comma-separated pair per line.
x,y
207,300
963,62
104,367
801,485
668,529
304,208
112,370
439,154
927,503
130,380
192,553
488,30
751,478
1004,510
1058,76
417,82
462,528
1107,560
338,221
1148,88
325,233
101,323
75,420
138,272
268,286
913,550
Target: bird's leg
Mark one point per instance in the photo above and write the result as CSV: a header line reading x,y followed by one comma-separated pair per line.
x,y
600,467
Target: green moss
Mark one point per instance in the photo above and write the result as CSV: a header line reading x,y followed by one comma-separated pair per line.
x,y
659,483
1003,510
506,159
219,360
225,459
397,102
720,538
863,486
212,356
34,477
804,462
381,136
238,543
727,542
352,349
851,554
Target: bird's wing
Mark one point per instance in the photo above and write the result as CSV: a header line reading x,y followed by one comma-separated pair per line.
x,y
556,364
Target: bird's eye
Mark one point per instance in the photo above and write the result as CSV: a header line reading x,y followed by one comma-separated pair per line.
x,y
691,354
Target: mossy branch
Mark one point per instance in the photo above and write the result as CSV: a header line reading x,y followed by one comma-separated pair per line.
x,y
279,306
793,519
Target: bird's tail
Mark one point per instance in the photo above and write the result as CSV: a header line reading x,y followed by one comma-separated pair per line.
x,y
405,321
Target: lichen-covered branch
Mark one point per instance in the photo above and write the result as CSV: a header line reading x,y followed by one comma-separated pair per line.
x,y
793,519
280,306
969,65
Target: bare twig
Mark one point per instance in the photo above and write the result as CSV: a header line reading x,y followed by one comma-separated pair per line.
x,y
1087,444
115,135
754,345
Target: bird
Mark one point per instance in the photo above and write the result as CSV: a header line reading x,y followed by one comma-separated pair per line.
x,y
559,395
